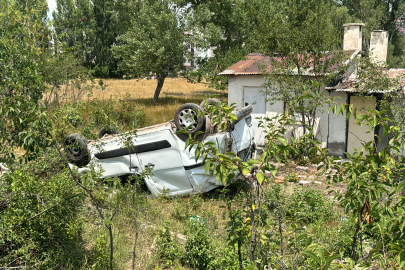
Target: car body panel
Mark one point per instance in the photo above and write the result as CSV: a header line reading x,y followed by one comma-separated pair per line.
x,y
174,169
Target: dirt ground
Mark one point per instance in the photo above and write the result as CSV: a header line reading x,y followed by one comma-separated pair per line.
x,y
308,175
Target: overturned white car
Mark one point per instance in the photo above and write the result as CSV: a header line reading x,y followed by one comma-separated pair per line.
x,y
174,168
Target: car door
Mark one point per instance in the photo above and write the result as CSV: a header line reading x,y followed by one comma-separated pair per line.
x,y
159,152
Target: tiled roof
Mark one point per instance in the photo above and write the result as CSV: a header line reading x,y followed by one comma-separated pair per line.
x,y
349,85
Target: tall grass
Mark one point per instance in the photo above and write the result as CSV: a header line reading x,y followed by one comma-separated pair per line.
x,y
145,88
175,92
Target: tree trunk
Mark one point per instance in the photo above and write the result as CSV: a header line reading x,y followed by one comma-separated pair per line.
x,y
161,80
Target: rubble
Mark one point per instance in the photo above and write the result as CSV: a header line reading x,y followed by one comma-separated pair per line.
x,y
302,168
303,183
3,169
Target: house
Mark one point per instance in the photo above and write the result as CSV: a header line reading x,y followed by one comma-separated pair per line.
x,y
196,53
337,134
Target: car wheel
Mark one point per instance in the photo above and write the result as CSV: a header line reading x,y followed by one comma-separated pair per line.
x,y
111,130
210,101
76,150
186,117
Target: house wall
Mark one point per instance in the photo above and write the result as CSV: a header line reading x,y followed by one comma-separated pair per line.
x,y
243,89
337,127
330,129
236,84
359,133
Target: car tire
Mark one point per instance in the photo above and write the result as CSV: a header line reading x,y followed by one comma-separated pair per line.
x,y
76,149
210,101
186,117
111,130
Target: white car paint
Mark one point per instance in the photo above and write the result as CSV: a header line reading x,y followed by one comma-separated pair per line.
x,y
174,168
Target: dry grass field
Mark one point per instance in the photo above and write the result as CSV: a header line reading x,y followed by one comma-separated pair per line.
x,y
175,92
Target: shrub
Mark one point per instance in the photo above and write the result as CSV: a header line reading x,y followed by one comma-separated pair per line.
x,y
309,205
292,177
168,250
100,253
198,247
227,259
39,222
88,117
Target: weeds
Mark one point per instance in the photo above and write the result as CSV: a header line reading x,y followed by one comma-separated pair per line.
x,y
168,249
87,118
198,248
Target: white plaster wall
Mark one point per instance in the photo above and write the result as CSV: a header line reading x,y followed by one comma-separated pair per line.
x,y
235,92
333,134
358,133
236,84
273,110
321,124
337,127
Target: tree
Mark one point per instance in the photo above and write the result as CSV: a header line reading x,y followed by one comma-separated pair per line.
x,y
301,35
30,69
106,31
232,28
156,42
90,28
73,24
380,15
23,39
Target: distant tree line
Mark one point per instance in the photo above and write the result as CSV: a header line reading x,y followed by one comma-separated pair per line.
x,y
234,27
138,38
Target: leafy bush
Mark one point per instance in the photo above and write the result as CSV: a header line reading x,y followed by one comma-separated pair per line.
x,y
302,155
309,205
88,117
168,250
39,223
292,177
198,248
227,259
100,253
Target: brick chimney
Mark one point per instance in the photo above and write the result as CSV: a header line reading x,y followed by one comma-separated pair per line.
x,y
379,46
353,36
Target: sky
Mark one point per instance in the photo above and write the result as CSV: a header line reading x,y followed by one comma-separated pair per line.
x,y
51,6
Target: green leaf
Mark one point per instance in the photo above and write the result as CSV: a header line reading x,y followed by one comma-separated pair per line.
x,y
205,155
197,153
245,171
402,256
273,171
308,241
260,177
207,165
312,255
329,260
283,141
385,130
347,208
401,186
197,133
